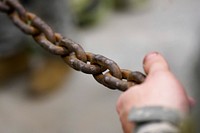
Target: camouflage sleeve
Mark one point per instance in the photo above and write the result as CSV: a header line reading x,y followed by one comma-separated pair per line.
x,y
10,37
156,120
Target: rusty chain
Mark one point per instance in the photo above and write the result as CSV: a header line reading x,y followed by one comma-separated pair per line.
x,y
104,70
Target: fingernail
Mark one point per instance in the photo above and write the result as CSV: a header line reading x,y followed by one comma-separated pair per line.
x,y
150,56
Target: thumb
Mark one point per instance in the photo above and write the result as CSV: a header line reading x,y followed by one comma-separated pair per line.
x,y
154,62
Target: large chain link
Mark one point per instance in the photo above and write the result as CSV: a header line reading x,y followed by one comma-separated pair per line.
x,y
104,70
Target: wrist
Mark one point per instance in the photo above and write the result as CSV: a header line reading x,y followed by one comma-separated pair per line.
x,y
156,118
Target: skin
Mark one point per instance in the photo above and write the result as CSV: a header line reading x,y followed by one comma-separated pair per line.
x,y
161,88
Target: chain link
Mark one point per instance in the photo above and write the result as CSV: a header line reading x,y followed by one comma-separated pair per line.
x,y
4,7
104,70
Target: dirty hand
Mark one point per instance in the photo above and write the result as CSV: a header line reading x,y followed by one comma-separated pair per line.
x,y
160,88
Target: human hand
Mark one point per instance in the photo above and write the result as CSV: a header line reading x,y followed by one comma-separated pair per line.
x,y
160,88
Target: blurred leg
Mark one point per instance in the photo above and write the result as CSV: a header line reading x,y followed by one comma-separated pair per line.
x,y
49,71
13,55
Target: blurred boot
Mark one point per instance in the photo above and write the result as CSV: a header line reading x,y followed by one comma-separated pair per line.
x,y
12,66
47,77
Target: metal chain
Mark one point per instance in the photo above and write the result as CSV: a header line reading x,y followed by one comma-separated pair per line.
x,y
104,70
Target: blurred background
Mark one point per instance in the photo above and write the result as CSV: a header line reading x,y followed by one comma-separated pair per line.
x,y
40,94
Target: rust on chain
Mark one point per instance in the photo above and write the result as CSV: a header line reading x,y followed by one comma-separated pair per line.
x,y
46,44
74,47
18,8
104,70
136,76
42,26
26,28
85,67
116,83
111,66
129,78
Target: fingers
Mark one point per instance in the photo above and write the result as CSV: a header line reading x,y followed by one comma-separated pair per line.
x,y
126,125
192,102
154,62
